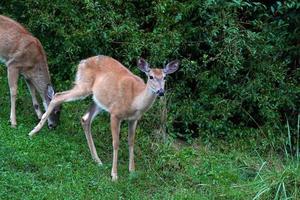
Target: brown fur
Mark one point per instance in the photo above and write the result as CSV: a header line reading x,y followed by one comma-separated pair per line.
x,y
111,84
157,73
116,90
23,54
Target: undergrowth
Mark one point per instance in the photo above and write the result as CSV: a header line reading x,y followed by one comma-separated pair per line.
x,y
57,164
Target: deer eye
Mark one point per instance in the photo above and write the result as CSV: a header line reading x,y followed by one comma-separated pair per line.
x,y
151,77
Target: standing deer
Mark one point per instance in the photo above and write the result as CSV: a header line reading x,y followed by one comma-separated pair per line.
x,y
24,54
116,90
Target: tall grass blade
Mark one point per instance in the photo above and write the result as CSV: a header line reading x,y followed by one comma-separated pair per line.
x,y
289,137
297,139
258,173
284,190
285,151
262,191
296,187
278,191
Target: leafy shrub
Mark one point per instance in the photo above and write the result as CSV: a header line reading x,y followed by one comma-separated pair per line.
x,y
239,75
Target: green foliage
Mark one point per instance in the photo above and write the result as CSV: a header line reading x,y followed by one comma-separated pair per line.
x,y
239,75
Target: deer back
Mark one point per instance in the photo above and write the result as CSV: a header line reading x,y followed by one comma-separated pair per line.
x,y
18,48
113,86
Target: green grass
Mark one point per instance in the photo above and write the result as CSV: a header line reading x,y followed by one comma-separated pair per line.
x,y
57,164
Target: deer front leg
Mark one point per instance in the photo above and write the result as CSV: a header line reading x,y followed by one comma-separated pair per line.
x,y
35,102
86,122
13,75
131,136
115,130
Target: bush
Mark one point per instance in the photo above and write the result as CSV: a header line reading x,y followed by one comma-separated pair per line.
x,y
239,75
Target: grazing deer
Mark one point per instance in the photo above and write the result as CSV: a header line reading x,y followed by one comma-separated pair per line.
x,y
24,54
116,90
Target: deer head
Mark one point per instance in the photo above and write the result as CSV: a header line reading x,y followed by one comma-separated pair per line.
x,y
55,114
157,77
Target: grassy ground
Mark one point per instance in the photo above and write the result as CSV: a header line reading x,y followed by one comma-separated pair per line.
x,y
57,164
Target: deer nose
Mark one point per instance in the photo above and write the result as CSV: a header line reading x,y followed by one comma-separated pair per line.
x,y
51,126
161,92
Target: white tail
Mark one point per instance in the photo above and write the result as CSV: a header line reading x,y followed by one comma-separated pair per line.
x,y
24,54
116,90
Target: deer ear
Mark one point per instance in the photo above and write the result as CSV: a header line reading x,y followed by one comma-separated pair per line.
x,y
50,92
143,65
171,67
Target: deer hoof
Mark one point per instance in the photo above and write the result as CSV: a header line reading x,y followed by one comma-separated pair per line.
x,y
31,134
114,177
98,161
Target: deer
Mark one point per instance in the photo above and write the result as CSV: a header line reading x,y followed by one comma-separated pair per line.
x,y
23,54
116,90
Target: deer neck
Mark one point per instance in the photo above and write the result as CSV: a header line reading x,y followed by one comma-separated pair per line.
x,y
145,99
40,78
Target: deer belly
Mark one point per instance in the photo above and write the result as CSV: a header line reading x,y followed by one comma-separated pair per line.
x,y
134,116
99,104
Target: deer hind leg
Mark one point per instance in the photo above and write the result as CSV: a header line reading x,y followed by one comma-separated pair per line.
x,y
86,122
13,76
71,95
131,136
35,102
115,130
